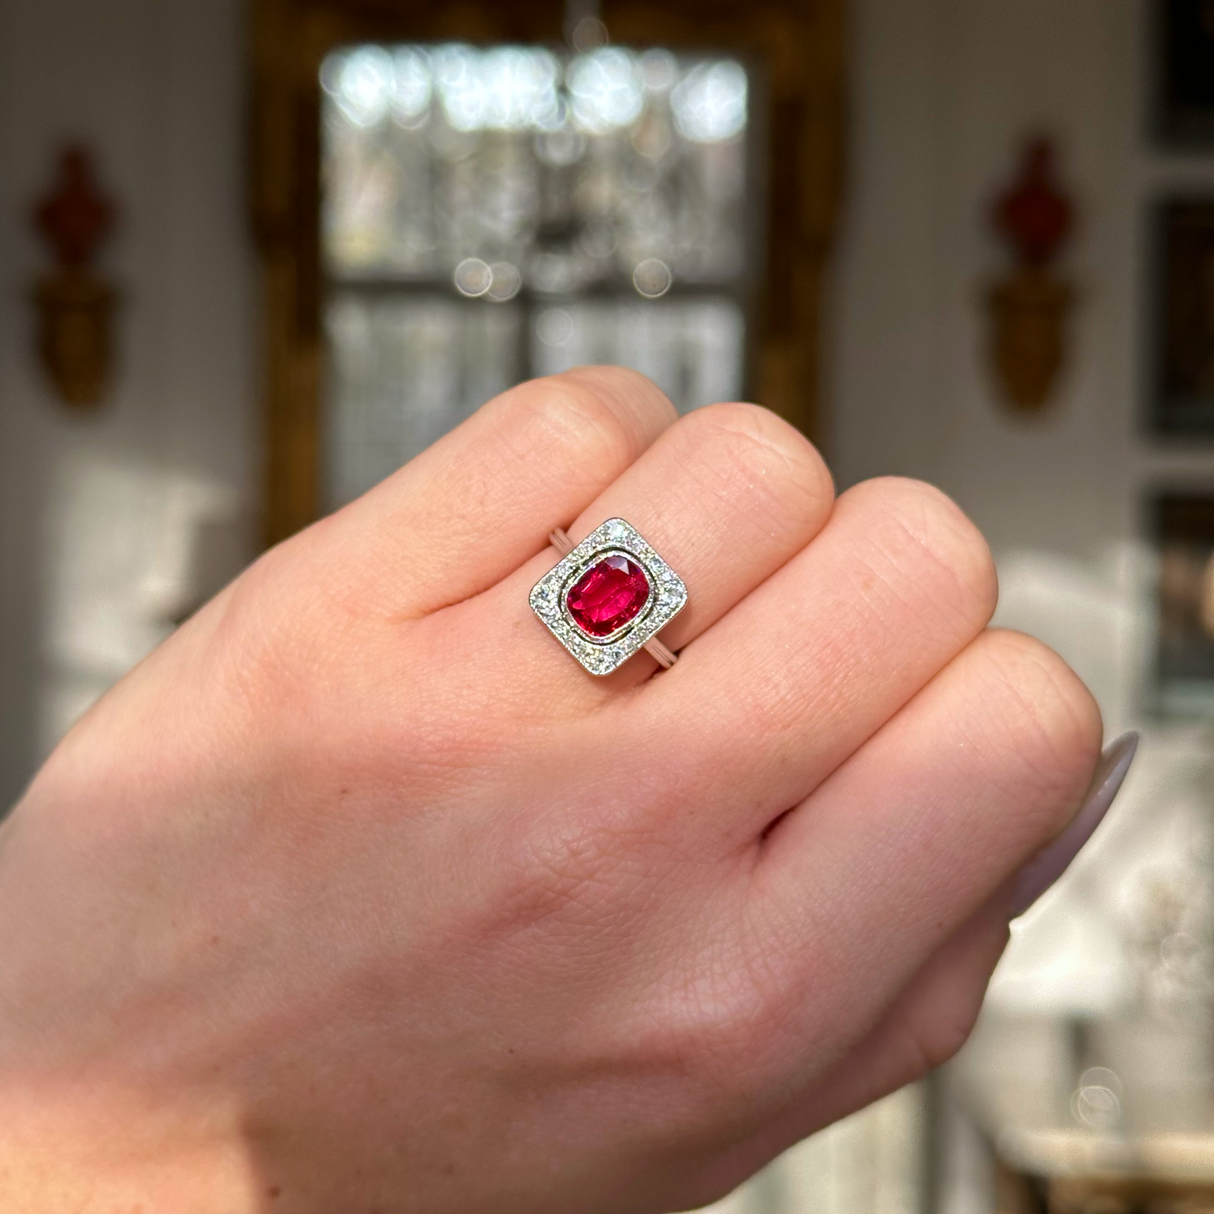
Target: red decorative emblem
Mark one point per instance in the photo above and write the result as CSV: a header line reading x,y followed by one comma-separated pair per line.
x,y
1029,305
75,303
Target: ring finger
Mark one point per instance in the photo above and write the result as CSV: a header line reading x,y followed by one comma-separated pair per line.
x,y
726,496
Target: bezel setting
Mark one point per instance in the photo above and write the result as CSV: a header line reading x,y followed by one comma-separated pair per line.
x,y
602,655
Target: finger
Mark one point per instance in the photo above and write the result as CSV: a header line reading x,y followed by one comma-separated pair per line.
x,y
726,496
925,1026
857,887
776,695
481,501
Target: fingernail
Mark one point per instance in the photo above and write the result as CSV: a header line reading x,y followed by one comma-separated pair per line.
x,y
1053,860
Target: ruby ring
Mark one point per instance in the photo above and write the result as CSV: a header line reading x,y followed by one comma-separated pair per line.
x,y
608,597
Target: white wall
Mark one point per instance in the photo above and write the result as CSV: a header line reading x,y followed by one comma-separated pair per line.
x,y
944,92
99,514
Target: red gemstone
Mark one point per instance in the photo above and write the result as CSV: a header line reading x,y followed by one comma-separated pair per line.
x,y
608,595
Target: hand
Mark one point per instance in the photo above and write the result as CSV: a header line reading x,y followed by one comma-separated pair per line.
x,y
360,894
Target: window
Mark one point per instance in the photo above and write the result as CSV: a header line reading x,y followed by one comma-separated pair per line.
x,y
447,201
490,214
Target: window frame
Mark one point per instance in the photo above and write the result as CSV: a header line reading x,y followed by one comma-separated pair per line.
x,y
797,45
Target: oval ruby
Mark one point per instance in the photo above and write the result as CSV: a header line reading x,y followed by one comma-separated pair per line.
x,y
608,595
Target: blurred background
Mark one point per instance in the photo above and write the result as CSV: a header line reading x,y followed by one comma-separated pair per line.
x,y
256,253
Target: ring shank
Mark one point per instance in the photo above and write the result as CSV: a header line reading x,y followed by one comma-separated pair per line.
x,y
560,540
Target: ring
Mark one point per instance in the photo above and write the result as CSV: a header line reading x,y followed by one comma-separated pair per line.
x,y
609,597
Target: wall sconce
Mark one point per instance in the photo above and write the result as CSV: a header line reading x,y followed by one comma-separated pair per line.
x,y
1028,307
75,304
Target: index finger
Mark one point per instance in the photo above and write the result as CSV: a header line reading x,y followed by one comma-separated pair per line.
x,y
481,501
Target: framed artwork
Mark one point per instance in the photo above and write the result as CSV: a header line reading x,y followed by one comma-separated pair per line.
x,y
1185,106
1182,401
1183,524
452,197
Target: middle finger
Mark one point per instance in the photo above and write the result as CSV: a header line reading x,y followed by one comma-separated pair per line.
x,y
777,694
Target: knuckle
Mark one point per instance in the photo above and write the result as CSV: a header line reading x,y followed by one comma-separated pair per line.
x,y
766,453
1047,713
580,421
722,1024
933,1040
932,527
730,1023
936,1020
610,411
625,387
552,868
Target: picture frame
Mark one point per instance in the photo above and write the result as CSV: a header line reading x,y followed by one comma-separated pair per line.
x,y
1182,522
1185,73
1181,399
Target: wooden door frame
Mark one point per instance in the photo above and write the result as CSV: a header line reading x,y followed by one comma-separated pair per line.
x,y
800,44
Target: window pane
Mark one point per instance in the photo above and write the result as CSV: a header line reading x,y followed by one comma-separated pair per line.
x,y
692,349
496,213
573,173
402,372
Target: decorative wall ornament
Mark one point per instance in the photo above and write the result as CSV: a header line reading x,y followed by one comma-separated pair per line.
x,y
1029,307
75,303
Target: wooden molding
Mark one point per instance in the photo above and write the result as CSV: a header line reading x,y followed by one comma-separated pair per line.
x,y
799,43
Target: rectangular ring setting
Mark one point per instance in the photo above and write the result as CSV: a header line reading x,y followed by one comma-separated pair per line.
x,y
600,655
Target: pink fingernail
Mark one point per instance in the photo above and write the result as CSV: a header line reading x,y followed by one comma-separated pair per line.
x,y
1053,860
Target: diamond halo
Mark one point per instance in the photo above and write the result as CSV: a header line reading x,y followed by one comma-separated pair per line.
x,y
667,597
